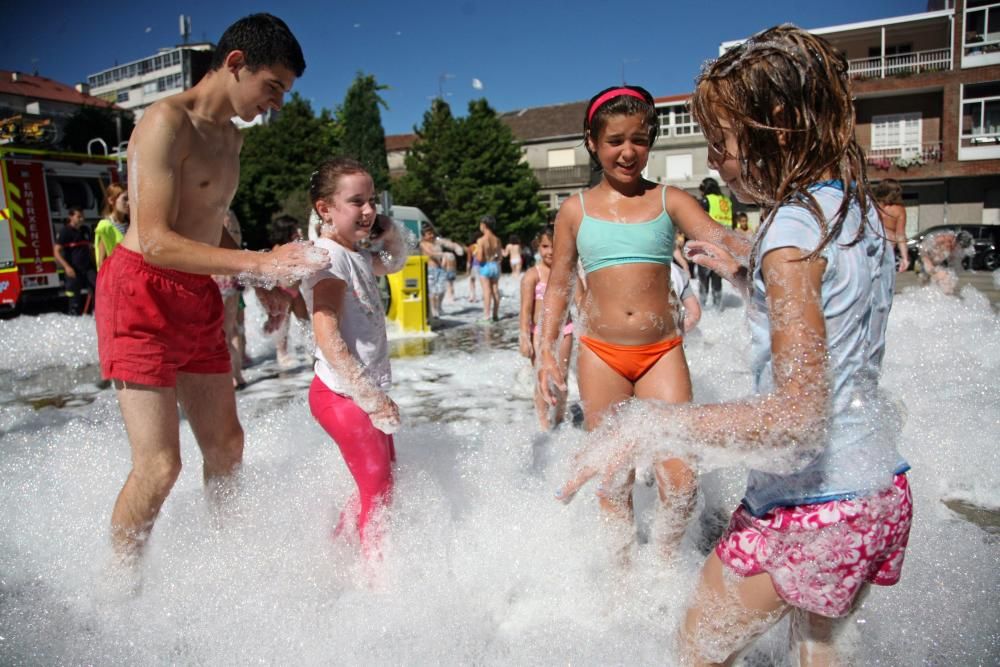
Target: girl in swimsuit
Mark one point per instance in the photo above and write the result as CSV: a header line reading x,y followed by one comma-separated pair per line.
x,y
622,231
827,508
533,287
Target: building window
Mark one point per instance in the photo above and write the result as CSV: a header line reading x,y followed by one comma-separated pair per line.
x,y
981,114
982,26
898,133
149,88
175,58
122,96
561,197
680,167
561,157
676,121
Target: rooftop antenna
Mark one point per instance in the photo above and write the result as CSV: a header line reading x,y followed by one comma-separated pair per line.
x,y
185,25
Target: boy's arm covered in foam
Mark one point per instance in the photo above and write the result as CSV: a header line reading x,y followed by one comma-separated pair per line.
x,y
156,155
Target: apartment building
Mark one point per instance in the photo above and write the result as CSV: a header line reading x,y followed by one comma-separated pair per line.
x,y
927,96
136,85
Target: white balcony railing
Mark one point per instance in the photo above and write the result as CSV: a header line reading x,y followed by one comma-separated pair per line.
x,y
936,60
904,157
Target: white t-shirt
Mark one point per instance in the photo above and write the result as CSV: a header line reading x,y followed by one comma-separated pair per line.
x,y
361,317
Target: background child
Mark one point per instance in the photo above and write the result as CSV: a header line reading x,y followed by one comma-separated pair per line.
x,y
489,252
512,251
231,291
623,232
348,395
827,507
690,307
741,223
472,265
889,194
282,301
533,287
112,227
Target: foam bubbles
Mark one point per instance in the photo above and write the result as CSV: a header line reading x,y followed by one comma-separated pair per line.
x,y
480,565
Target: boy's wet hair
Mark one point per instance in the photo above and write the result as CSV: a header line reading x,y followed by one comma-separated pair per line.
x,y
787,96
620,105
283,229
265,40
73,209
490,222
323,182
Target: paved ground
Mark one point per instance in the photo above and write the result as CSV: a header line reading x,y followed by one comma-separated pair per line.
x,y
981,280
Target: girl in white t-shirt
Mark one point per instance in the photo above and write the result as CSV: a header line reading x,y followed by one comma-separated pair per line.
x,y
348,395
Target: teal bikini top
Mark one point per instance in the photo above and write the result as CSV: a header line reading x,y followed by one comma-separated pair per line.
x,y
602,243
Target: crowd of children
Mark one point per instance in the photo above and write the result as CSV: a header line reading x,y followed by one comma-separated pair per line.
x,y
817,276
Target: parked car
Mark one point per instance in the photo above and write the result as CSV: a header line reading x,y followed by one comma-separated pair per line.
x,y
985,241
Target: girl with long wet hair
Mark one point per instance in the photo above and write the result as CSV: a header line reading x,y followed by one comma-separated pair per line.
x,y
827,508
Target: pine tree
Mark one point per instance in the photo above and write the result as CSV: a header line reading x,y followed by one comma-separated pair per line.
x,y
363,136
275,165
431,165
491,178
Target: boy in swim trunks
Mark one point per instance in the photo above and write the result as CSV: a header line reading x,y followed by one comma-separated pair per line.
x,y
488,252
159,313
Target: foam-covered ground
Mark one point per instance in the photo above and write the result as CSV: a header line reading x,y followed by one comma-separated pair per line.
x,y
482,565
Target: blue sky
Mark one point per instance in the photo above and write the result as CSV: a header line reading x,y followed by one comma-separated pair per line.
x,y
525,53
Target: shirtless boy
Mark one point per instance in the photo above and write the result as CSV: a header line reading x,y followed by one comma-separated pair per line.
x,y
159,313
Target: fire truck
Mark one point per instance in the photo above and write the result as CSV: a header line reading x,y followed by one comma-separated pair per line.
x,y
37,188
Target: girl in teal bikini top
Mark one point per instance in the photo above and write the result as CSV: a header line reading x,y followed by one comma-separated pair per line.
x,y
603,243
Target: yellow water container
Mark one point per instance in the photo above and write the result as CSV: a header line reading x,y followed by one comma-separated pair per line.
x,y
408,296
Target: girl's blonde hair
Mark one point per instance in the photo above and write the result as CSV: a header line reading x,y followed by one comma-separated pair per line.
x,y
787,97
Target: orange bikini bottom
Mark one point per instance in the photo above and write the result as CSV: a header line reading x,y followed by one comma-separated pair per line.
x,y
630,361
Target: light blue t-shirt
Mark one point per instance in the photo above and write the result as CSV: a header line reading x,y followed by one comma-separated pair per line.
x,y
859,455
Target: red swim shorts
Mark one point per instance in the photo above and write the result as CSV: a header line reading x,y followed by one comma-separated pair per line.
x,y
820,555
153,323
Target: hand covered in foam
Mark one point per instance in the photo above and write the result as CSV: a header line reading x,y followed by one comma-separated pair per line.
x,y
292,262
385,415
713,257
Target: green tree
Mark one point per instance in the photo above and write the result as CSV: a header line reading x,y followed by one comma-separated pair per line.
x,y
89,122
431,166
276,163
363,136
490,178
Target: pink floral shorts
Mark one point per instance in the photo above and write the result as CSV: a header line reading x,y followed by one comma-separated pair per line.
x,y
820,555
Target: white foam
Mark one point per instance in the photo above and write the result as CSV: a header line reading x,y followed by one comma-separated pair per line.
x,y
482,565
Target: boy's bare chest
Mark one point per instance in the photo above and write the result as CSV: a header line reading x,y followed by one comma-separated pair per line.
x,y
211,171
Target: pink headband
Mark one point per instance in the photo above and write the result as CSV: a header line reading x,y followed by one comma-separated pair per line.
x,y
611,94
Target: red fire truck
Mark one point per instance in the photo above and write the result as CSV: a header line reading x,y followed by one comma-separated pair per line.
x,y
37,187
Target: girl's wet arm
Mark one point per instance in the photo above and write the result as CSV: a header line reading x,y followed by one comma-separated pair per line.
x,y
795,412
692,219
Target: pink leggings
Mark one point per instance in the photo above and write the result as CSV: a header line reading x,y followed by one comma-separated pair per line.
x,y
368,452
